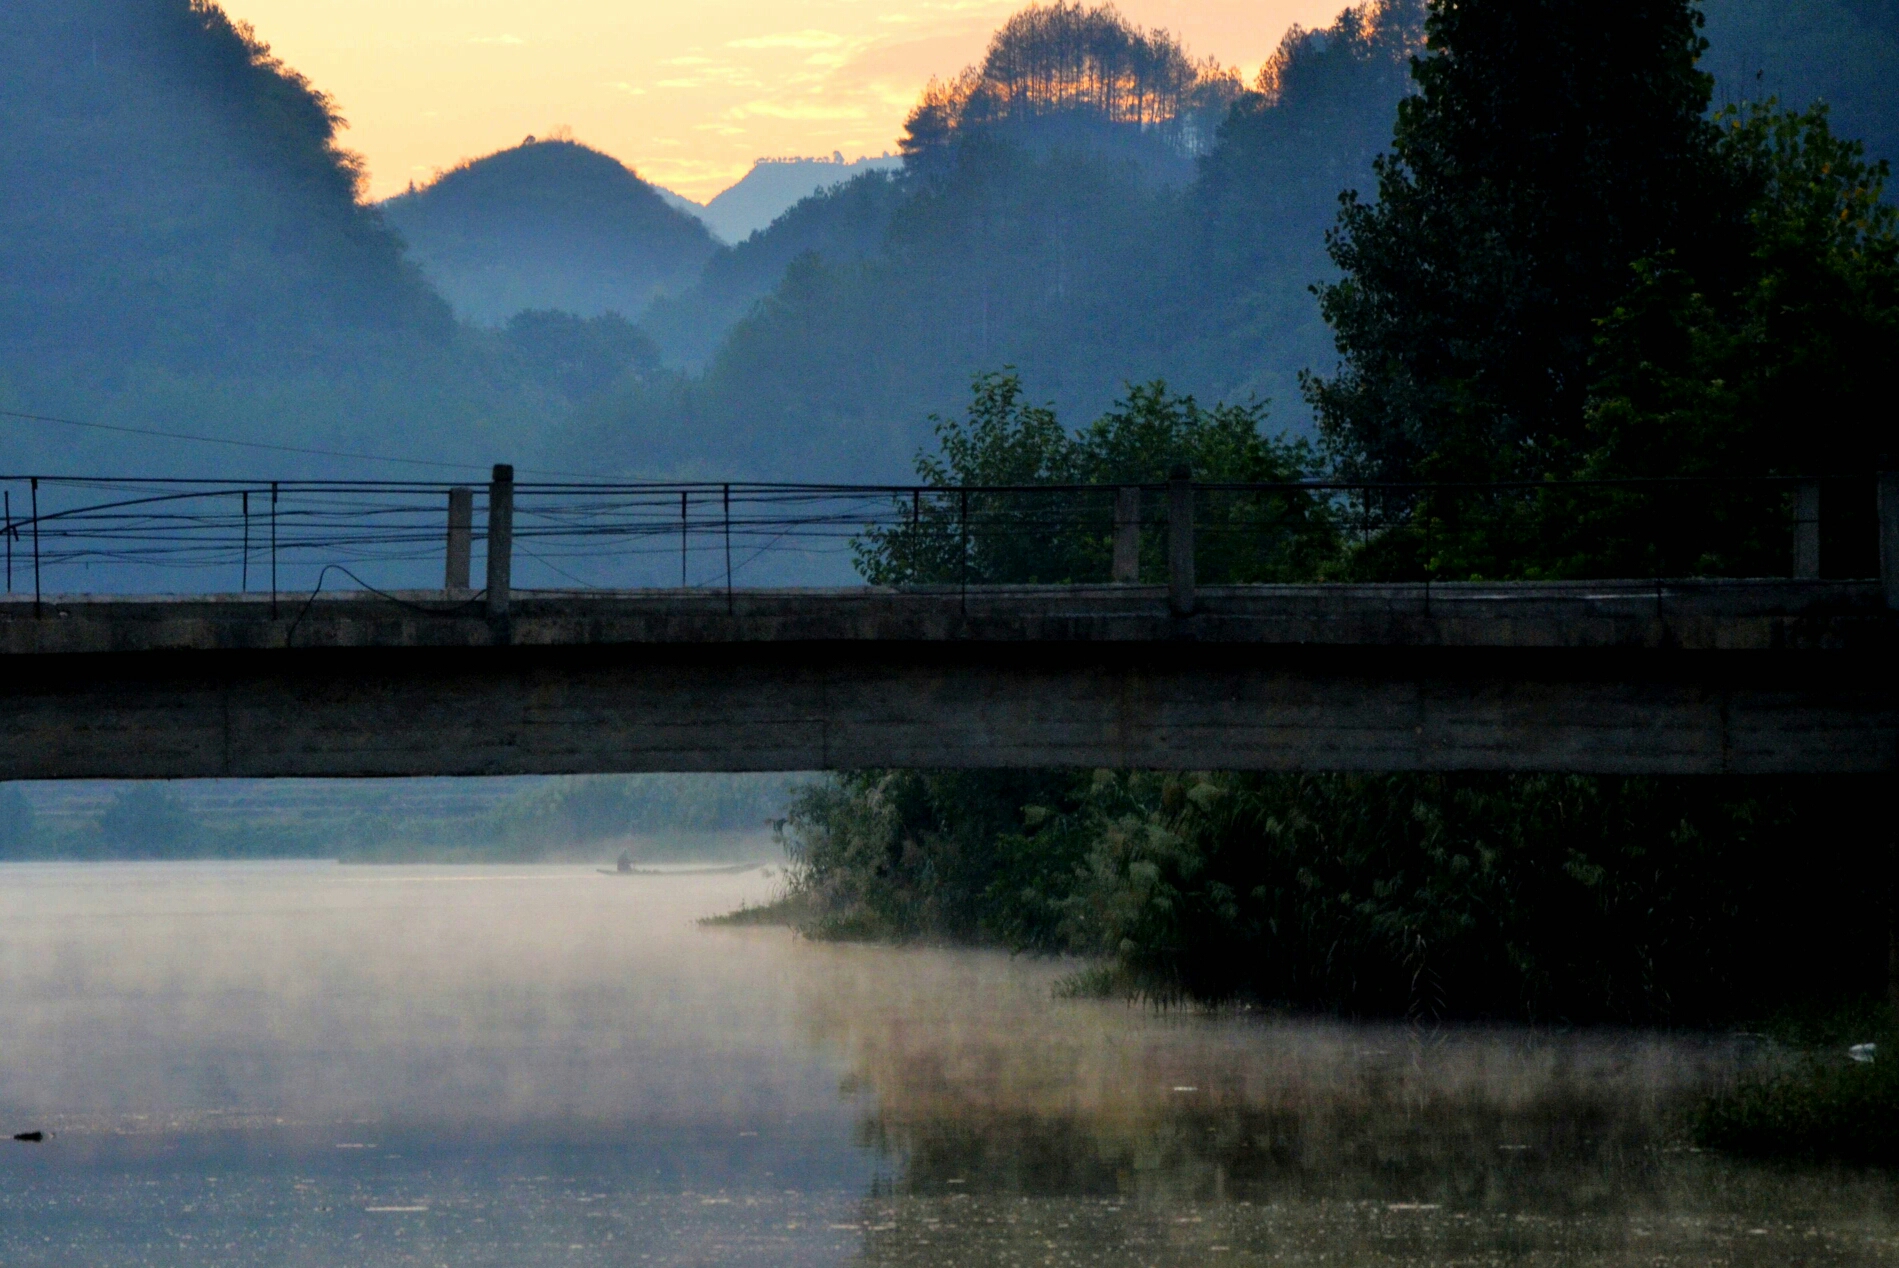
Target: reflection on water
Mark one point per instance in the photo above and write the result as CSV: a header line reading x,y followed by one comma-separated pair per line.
x,y
308,1064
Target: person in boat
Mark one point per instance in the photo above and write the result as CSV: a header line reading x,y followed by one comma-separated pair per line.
x,y
626,861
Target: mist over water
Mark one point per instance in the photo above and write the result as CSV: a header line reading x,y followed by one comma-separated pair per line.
x,y
303,1063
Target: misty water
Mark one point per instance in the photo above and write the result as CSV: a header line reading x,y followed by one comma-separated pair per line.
x,y
306,1063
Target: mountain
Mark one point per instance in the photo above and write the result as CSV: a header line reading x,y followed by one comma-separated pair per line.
x,y
841,224
679,202
185,248
776,184
1033,226
177,199
1039,225
548,224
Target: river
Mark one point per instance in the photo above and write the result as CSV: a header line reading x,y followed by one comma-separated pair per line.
x,y
309,1064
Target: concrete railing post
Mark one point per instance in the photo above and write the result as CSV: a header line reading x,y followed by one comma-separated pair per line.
x,y
1180,579
1806,560
461,537
1127,536
500,538
1889,536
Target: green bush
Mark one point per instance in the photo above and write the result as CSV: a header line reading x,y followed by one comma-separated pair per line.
x,y
1552,898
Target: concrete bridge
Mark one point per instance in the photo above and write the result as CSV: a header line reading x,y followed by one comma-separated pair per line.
x,y
1680,678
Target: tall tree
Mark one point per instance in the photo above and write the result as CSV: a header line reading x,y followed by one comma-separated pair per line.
x,y
1550,144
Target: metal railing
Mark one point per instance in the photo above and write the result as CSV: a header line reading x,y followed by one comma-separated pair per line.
x,y
170,536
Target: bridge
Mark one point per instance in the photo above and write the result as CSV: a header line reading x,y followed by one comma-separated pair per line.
x,y
1758,676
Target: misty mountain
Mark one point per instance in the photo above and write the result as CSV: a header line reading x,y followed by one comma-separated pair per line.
x,y
840,224
1056,213
548,224
776,184
186,248
178,199
1042,221
679,202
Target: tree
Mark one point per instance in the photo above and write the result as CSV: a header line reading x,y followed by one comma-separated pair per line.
x,y
1059,70
1702,372
1550,144
987,527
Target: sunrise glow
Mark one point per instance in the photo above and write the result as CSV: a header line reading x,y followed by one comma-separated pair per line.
x,y
689,94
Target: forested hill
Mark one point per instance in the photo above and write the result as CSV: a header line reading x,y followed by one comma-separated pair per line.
x,y
548,224
1045,221
1090,203
176,198
185,248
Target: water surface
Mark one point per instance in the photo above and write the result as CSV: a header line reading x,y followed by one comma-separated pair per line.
x,y
308,1064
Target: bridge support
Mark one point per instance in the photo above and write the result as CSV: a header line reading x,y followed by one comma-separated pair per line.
x,y
461,535
1806,560
1127,536
500,539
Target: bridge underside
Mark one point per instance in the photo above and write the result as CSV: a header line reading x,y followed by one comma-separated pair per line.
x,y
378,712
1609,677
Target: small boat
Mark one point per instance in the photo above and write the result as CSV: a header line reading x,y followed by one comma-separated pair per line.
x,y
729,869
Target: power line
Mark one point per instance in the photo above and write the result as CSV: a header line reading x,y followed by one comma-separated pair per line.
x,y
259,444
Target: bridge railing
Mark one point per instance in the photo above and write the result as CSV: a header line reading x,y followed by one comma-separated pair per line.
x,y
280,538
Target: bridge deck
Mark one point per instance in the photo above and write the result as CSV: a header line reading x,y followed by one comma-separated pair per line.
x,y
1682,615
1678,677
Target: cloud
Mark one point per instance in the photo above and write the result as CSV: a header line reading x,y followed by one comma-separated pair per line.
x,y
631,90
496,39
790,39
795,110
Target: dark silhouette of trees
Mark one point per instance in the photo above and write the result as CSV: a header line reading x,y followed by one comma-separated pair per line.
x,y
1087,69
1550,144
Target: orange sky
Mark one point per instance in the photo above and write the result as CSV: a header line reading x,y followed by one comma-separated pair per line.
x,y
688,92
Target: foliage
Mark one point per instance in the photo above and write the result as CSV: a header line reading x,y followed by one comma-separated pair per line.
x,y
1552,898
186,249
1699,373
189,203
1549,145
1841,52
1499,321
844,225
1087,258
1017,535
579,357
1060,71
913,854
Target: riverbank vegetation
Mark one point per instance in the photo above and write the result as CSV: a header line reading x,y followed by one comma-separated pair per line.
x,y
1571,270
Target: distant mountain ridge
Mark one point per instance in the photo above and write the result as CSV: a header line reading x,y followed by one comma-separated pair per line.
x,y
548,224
776,185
